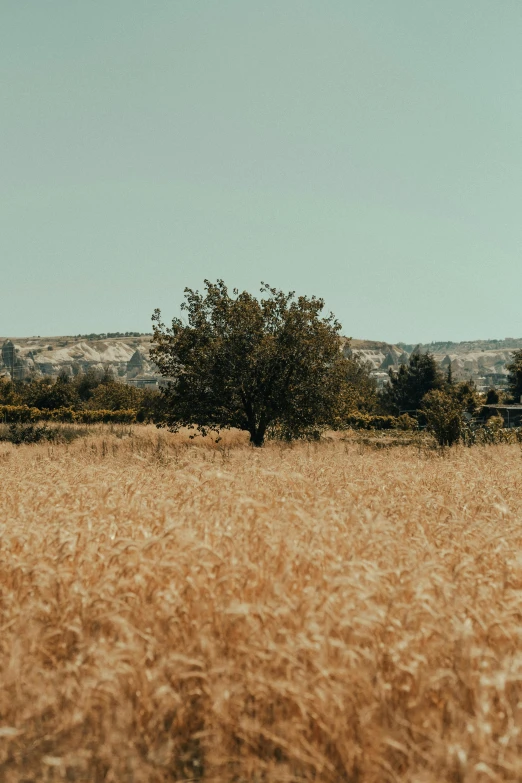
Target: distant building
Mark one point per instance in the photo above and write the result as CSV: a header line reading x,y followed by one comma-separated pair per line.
x,y
512,414
497,380
143,382
381,378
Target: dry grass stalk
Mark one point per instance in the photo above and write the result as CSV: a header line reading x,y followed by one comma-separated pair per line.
x,y
324,612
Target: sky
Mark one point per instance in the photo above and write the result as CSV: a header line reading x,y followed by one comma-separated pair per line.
x,y
366,152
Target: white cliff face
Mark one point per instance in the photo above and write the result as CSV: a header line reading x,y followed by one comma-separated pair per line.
x,y
481,363
128,357
52,356
479,360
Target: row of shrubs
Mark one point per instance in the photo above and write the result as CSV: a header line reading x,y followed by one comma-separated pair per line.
x,y
492,432
366,421
22,420
24,414
36,433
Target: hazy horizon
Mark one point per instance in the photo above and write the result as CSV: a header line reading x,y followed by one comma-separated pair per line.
x,y
369,154
351,337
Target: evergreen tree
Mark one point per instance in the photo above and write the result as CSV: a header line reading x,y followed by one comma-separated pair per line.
x,y
492,397
466,395
407,387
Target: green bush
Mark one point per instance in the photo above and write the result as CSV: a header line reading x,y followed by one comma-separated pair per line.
x,y
444,417
492,432
280,432
20,413
365,421
23,414
27,433
62,414
405,422
106,417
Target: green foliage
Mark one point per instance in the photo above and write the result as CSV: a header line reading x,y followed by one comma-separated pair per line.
x,y
280,432
152,406
492,397
496,423
407,387
252,364
46,394
115,396
444,416
361,387
9,394
105,416
492,432
24,414
405,422
66,397
466,396
515,376
86,383
19,434
445,411
27,433
367,421
21,413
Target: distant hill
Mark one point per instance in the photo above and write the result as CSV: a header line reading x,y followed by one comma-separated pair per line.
x,y
126,355
483,361
508,343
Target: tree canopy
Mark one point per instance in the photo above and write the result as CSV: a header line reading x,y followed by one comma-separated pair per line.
x,y
252,363
444,416
407,387
92,390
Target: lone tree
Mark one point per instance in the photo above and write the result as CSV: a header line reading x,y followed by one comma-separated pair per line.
x,y
444,416
251,363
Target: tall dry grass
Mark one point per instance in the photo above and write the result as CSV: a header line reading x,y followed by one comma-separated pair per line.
x,y
325,612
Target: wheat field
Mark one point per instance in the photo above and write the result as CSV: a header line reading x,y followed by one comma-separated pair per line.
x,y
181,611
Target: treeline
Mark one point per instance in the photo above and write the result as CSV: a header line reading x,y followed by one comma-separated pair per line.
x,y
418,395
449,410
23,414
271,365
78,398
106,335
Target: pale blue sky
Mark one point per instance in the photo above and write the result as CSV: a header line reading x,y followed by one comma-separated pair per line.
x,y
369,152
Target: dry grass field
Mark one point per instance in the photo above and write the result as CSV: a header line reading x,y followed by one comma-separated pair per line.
x,y
175,611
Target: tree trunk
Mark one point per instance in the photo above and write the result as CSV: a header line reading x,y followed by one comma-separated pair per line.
x,y
257,434
257,431
257,437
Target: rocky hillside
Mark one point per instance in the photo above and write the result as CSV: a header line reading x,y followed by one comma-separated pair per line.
x,y
127,357
484,361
